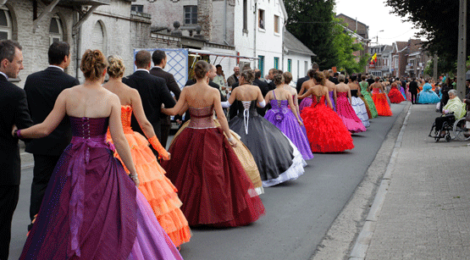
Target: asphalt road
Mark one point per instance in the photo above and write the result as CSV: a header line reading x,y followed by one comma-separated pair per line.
x,y
298,213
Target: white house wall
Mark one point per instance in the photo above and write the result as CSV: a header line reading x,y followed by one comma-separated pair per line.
x,y
299,70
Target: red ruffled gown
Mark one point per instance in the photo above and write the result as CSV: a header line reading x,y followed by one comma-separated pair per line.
x,y
211,181
395,95
325,130
381,103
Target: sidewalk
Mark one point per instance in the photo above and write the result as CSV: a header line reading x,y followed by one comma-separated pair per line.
x,y
426,209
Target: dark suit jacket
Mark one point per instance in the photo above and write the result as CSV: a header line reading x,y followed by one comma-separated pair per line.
x,y
413,87
13,111
42,89
300,82
334,80
263,86
153,92
172,86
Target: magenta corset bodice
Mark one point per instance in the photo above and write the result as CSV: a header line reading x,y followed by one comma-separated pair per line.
x,y
201,118
342,94
89,128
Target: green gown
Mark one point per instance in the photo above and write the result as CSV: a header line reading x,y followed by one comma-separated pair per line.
x,y
368,98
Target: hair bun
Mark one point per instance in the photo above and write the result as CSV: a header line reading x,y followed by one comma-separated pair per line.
x,y
93,64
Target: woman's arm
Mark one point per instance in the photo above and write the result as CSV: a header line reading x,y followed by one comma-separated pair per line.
x,y
178,107
222,119
52,120
260,100
349,96
296,103
306,94
335,96
119,140
302,89
269,96
292,106
144,123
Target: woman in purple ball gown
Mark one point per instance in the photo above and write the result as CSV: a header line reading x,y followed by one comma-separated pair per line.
x,y
287,120
331,89
91,208
307,101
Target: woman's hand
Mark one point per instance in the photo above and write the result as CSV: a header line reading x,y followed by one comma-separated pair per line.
x,y
167,158
135,179
233,142
300,123
13,130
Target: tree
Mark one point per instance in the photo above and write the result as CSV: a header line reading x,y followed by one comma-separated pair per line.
x,y
344,44
312,23
438,22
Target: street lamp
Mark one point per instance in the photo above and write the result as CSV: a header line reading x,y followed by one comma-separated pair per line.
x,y
378,36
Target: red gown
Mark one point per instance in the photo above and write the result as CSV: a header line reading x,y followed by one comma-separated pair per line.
x,y
395,95
381,103
325,129
211,181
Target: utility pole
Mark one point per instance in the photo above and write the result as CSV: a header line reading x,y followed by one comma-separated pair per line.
x,y
462,57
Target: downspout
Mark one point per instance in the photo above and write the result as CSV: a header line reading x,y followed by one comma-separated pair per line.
x,y
282,36
77,48
254,33
225,22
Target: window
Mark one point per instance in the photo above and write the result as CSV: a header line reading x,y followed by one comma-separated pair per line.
x,y
245,15
289,65
99,37
276,63
56,33
261,22
261,65
276,24
137,8
5,24
190,14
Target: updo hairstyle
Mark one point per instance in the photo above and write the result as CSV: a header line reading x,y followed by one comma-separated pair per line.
x,y
311,73
326,73
341,78
287,77
320,78
248,75
201,68
278,79
116,66
93,64
353,78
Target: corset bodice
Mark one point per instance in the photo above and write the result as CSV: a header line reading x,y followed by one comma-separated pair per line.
x,y
201,117
394,87
318,100
278,104
376,91
250,105
342,94
126,114
354,92
87,128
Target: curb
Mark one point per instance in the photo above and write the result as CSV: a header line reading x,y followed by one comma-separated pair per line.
x,y
362,243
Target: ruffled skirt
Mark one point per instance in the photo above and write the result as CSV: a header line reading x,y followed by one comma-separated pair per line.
x,y
360,109
348,116
395,96
380,101
370,104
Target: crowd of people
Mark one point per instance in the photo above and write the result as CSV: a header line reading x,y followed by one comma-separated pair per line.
x,y
103,179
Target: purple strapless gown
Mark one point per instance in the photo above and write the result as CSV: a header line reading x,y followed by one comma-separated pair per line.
x,y
282,117
332,99
92,209
306,102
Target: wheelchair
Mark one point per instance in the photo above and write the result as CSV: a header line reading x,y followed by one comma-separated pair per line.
x,y
451,129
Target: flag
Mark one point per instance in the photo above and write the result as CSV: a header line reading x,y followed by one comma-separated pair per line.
x,y
374,58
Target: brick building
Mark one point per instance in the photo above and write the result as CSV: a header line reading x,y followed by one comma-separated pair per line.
x,y
409,59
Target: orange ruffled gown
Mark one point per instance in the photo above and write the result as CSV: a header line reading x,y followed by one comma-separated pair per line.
x,y
381,103
156,187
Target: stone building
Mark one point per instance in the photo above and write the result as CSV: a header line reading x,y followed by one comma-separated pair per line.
x,y
383,66
249,28
409,59
107,25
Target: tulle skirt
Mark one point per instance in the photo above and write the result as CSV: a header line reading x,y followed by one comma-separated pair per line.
x,y
348,116
360,109
325,130
158,189
380,101
428,97
212,183
395,96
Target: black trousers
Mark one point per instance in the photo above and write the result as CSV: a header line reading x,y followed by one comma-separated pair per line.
x,y
8,200
43,167
440,121
165,133
414,98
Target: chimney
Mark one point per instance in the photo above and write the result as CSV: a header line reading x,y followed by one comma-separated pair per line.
x,y
204,17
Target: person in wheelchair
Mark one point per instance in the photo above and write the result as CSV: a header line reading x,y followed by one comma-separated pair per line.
x,y
452,111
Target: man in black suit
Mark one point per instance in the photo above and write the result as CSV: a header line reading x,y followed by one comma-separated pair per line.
x,y
159,60
334,79
413,90
263,86
370,80
153,92
42,89
301,81
13,111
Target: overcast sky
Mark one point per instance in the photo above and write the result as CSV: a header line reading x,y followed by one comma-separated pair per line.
x,y
377,16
